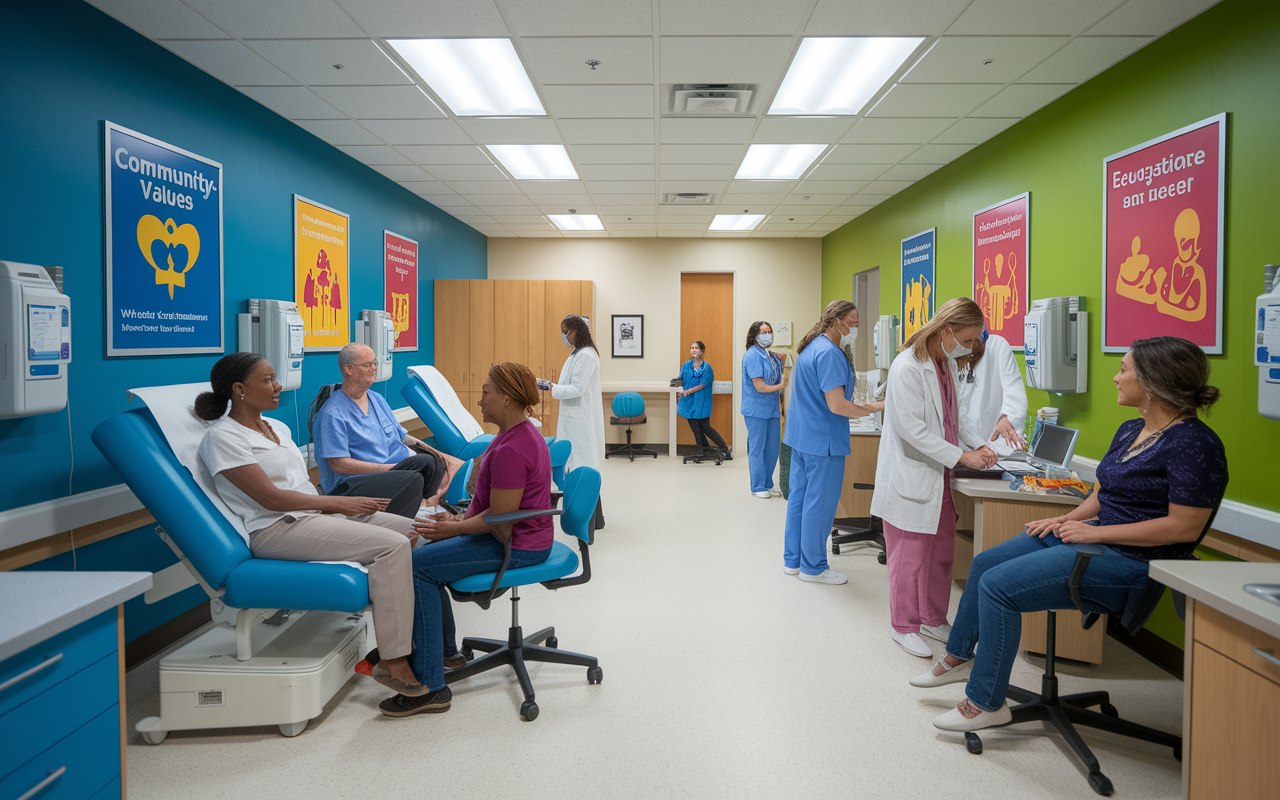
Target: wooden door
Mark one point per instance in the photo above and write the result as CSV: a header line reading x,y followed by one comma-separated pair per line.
x,y
706,315
480,332
562,299
511,321
453,336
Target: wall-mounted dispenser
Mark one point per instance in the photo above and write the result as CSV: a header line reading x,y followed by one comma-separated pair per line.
x,y
1057,345
377,329
273,329
35,343
887,334
1266,353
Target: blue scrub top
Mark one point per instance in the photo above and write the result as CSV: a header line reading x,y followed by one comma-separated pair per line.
x,y
760,363
811,426
695,406
343,430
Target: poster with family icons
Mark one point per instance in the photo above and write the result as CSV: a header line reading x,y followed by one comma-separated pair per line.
x,y
163,222
321,274
1001,266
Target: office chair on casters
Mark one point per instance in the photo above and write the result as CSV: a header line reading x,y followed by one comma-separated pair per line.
x,y
859,530
628,409
582,491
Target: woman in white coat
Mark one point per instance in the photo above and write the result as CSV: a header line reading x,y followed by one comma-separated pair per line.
x,y
919,445
581,417
993,398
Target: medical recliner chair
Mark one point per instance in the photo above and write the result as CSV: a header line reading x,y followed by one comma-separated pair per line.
x,y
281,672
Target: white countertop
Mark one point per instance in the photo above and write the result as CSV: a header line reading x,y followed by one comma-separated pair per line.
x,y
38,605
999,490
1220,584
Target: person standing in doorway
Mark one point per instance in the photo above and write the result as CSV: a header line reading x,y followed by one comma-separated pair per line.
x,y
581,416
696,378
761,407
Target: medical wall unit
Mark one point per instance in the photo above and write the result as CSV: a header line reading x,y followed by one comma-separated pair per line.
x,y
35,348
1266,354
1057,345
376,329
886,336
273,329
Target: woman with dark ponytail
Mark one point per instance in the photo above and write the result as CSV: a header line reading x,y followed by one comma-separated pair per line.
x,y
259,473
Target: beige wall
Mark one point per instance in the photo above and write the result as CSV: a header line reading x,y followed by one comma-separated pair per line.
x,y
774,279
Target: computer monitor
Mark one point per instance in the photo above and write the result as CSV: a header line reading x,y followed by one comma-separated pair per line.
x,y
1055,446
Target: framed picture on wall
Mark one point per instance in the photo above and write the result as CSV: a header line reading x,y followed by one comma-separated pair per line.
x,y
1001,266
628,335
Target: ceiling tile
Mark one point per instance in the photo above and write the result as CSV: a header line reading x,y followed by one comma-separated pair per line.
x,y
938,153
511,131
723,59
815,200
909,172
539,233
403,173
580,17
229,61
465,172
697,172
673,130
797,130
551,187
816,188
639,219
749,200
631,228
376,102
673,213
878,18
961,59
473,220
885,187
783,225
161,19
312,61
684,226
372,154
612,153
933,99
867,199
402,19
799,219
1149,17
869,153
337,131
1017,17
564,60
296,18
727,17
588,102
446,154
1022,99
846,172
890,130
1085,57
519,219
710,187
417,131
490,202
424,187
528,226
701,153
616,172
482,187
622,187
624,211
762,187
607,131
973,130
292,102
442,198
627,199
798,207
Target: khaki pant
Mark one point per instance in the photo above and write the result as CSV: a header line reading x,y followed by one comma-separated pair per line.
x,y
378,541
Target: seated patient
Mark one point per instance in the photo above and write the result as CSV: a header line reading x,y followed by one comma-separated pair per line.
x,y
1158,485
360,447
259,473
514,475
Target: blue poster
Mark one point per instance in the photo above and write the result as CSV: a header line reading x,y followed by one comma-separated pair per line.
x,y
917,281
164,247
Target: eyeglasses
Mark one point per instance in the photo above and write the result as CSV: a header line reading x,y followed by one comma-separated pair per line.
x,y
367,365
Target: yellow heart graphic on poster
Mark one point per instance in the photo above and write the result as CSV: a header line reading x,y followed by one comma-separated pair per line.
x,y
172,236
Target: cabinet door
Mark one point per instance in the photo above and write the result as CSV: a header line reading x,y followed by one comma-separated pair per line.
x,y
511,321
562,299
536,336
452,347
1234,733
480,330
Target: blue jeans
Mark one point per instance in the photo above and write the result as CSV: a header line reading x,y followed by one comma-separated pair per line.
x,y
1021,575
763,440
434,566
814,485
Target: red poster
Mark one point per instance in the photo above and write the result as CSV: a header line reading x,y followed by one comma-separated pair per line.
x,y
1000,265
1162,238
400,259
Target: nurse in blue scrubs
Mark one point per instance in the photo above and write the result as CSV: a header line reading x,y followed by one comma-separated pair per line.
x,y
696,377
818,435
761,387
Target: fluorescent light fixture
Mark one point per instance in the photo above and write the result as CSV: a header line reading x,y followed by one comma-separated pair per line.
x,y
535,162
576,222
777,162
832,75
474,77
736,222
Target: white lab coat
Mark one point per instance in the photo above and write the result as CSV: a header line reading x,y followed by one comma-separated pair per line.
x,y
996,390
913,448
581,418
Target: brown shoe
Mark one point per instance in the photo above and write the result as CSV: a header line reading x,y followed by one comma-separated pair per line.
x,y
436,702
455,661
384,677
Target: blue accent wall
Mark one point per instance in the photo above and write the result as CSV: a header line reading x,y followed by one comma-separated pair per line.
x,y
64,68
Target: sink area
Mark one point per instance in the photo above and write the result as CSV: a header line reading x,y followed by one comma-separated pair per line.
x,y
1267,591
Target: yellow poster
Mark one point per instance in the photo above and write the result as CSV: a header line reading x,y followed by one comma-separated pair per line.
x,y
321,244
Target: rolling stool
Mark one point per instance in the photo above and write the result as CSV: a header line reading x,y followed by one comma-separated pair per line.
x,y
859,530
628,409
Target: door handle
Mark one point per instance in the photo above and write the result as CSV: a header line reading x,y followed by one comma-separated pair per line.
x,y
42,785
43,665
1267,656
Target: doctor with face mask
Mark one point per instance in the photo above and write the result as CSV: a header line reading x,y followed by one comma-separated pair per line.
x,y
919,446
581,413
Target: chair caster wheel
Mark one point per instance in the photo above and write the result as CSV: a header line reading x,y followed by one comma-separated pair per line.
x,y
553,642
973,743
468,654
1100,783
835,549
1109,710
882,558
154,737
1177,753
529,710
595,675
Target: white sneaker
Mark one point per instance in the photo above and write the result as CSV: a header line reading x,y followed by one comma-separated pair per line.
x,y
956,674
953,720
762,495
913,644
826,576
791,570
775,492
937,632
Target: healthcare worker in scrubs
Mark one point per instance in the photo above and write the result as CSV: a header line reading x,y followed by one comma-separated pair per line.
x,y
761,392
696,379
993,398
818,435
581,417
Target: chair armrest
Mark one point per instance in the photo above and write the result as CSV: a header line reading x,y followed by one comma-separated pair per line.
x,y
1084,553
516,516
502,519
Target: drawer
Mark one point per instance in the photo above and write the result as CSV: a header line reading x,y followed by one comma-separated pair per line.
x,y
47,718
83,763
52,661
1237,641
109,792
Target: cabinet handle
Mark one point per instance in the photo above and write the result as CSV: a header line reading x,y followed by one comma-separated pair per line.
x,y
16,679
1267,656
40,787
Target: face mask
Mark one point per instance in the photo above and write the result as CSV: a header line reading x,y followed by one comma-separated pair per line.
x,y
847,339
567,343
764,339
960,350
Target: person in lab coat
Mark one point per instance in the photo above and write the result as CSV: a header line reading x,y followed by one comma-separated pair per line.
x,y
992,397
919,445
581,417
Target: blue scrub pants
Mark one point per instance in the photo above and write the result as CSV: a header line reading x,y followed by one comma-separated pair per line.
x,y
764,437
815,483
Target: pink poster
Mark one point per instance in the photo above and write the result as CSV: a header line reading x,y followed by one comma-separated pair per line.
x,y
400,259
1001,264
1163,216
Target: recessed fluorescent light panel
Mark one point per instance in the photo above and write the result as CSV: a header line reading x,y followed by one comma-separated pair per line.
x,y
474,77
535,162
736,222
576,222
777,162
839,75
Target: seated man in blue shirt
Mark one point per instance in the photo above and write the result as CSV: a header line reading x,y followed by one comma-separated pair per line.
x,y
362,449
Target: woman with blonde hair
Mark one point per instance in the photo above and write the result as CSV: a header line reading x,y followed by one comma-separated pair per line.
x,y
919,446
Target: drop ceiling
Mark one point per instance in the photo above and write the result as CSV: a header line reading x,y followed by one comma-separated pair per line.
x,y
325,65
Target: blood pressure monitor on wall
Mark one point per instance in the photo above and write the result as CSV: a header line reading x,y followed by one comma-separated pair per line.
x,y
273,330
35,346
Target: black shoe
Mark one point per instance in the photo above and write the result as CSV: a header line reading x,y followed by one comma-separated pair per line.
x,y
728,456
436,702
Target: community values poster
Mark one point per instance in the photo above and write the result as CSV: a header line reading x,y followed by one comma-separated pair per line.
x,y
321,276
164,247
918,265
1001,266
1162,226
400,264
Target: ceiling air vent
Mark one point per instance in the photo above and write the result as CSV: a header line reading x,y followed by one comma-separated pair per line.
x,y
688,199
711,99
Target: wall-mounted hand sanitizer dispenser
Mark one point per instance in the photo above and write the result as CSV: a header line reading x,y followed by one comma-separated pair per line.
x,y
886,340
1057,345
377,329
1266,352
273,329
35,344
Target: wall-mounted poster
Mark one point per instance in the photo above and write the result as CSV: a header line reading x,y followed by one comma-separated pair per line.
x,y
321,278
400,263
918,264
1162,230
164,247
628,336
1001,265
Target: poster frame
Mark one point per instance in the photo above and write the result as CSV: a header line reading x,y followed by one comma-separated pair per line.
x,y
417,291
973,257
902,275
346,291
